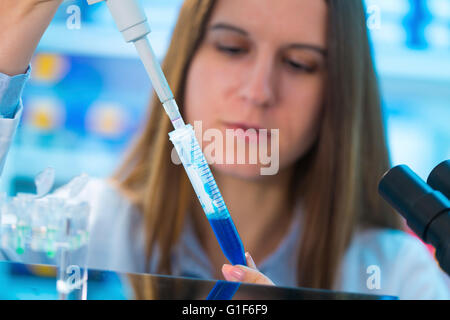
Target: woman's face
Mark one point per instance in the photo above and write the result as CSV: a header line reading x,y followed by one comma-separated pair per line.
x,y
261,65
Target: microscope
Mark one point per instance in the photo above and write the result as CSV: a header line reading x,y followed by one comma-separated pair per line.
x,y
425,206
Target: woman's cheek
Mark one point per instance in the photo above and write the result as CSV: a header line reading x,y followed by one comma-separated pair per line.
x,y
298,135
203,94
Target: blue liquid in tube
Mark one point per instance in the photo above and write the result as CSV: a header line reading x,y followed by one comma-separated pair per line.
x,y
229,239
208,193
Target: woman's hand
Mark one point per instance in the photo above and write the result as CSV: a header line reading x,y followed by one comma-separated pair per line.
x,y
240,273
22,24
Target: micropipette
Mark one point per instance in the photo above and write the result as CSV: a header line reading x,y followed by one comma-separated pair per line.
x,y
132,22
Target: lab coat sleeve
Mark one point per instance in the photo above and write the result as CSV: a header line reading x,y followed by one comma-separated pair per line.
x,y
11,88
418,273
393,263
7,129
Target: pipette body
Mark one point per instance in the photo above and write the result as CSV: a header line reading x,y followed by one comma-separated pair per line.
x,y
132,22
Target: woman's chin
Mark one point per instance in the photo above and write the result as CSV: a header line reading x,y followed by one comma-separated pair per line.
x,y
241,171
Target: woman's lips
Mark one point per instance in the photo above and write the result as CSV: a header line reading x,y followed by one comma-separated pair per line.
x,y
249,132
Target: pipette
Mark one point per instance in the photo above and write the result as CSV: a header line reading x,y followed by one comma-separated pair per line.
x,y
132,22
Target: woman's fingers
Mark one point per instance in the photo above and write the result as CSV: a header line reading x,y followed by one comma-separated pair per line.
x,y
240,273
250,261
22,23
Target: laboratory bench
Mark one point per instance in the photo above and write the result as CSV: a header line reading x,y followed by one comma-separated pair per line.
x,y
20,281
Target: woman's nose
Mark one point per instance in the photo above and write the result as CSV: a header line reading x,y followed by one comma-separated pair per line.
x,y
259,84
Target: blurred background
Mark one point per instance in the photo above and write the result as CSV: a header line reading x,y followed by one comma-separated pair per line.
x,y
89,93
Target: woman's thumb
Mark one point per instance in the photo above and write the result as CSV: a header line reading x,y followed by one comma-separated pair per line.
x,y
242,273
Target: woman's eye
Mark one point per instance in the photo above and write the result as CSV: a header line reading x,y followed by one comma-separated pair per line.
x,y
231,50
296,66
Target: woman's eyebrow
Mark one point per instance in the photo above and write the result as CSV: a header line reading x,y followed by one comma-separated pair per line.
x,y
305,46
226,26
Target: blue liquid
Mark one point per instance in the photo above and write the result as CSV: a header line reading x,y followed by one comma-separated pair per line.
x,y
223,290
229,240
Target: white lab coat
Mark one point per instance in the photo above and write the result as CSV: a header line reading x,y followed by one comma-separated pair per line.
x,y
7,129
117,243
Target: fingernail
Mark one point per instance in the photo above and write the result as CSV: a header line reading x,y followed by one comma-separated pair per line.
x,y
237,273
234,273
250,259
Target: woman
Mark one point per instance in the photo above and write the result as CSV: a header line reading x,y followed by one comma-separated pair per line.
x,y
301,67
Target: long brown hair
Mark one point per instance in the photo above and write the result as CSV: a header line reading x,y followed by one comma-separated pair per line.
x,y
337,180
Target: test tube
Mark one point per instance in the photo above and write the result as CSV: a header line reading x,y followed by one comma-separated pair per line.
x,y
208,193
